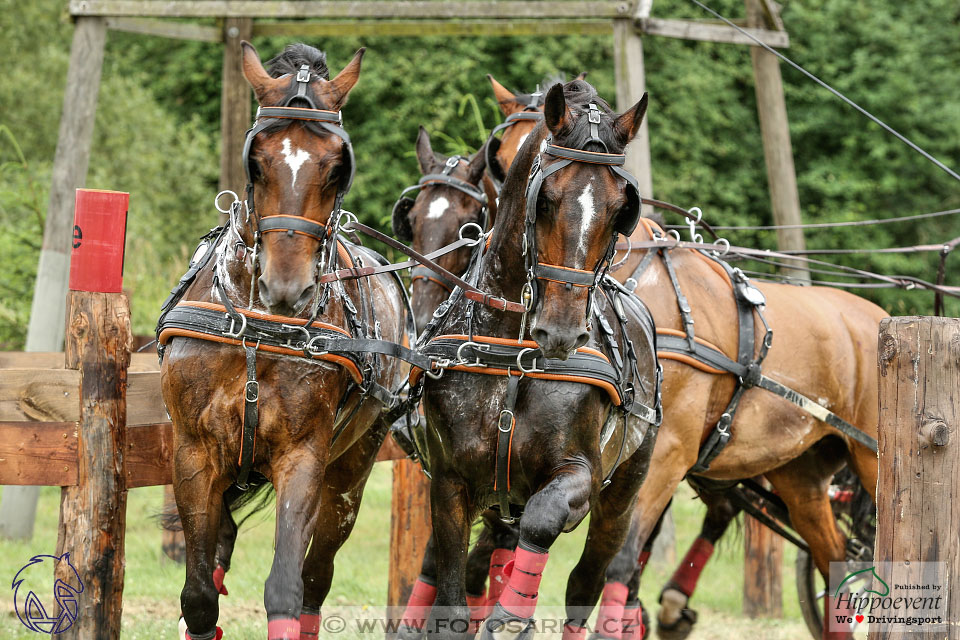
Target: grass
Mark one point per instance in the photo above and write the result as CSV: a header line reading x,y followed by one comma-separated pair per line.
x,y
152,583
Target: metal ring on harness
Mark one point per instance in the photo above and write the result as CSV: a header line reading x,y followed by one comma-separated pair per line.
x,y
473,242
461,361
297,327
216,201
313,350
726,247
243,326
534,368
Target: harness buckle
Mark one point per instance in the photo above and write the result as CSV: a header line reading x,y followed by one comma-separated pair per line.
x,y
504,414
461,361
251,391
312,350
230,333
303,74
297,327
593,116
450,164
533,365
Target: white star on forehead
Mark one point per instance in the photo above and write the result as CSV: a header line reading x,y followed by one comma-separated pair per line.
x,y
294,160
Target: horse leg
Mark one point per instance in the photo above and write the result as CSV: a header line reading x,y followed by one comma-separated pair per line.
x,y
560,504
340,497
297,477
199,491
226,539
505,537
450,616
478,566
802,484
675,621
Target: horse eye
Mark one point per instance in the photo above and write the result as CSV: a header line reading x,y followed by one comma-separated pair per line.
x,y
333,175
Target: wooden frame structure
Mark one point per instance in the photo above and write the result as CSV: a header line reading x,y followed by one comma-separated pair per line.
x,y
627,20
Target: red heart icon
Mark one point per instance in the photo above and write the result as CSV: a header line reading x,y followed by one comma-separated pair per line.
x,y
859,619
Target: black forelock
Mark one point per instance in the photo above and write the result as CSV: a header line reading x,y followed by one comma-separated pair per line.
x,y
295,56
545,84
578,95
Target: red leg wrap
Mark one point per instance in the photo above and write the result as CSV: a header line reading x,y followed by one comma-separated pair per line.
x,y
283,629
498,560
524,573
612,602
833,630
574,633
633,628
420,602
642,561
478,611
687,574
218,575
309,626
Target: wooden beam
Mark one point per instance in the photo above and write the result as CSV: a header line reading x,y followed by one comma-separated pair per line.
x,y
144,401
420,28
148,455
146,361
708,32
93,513
919,472
410,528
38,453
165,29
631,82
417,9
235,107
777,150
40,395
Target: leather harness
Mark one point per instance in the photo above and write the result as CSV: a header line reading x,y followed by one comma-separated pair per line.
x,y
747,368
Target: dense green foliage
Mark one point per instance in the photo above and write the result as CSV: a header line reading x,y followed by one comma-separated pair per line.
x,y
157,128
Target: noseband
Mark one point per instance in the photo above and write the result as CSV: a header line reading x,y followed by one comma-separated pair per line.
x,y
569,276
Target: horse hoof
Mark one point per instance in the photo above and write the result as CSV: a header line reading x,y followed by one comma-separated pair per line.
x,y
680,628
406,632
503,625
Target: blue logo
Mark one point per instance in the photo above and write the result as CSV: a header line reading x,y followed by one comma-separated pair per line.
x,y
31,587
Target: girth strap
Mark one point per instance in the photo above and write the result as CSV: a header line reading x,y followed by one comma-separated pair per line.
x,y
505,428
251,418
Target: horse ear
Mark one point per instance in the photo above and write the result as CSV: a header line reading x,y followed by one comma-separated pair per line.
x,y
582,76
346,79
507,100
555,112
425,156
627,125
254,72
477,166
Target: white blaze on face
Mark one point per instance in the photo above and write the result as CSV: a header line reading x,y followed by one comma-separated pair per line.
x,y
585,200
294,160
438,207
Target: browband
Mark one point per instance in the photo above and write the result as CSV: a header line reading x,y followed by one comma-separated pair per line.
x,y
300,113
579,155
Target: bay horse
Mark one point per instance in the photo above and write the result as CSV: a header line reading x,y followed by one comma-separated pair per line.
x,y
535,443
258,372
822,346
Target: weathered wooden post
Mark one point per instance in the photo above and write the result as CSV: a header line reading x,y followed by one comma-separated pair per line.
x,y
410,528
45,331
93,513
762,563
234,105
917,518
775,130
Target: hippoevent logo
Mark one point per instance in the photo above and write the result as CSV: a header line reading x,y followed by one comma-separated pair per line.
x,y
888,596
31,591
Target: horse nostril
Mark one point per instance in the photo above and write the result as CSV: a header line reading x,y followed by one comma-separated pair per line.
x,y
264,291
581,340
305,297
539,336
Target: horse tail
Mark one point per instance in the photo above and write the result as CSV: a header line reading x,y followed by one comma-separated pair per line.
x,y
259,493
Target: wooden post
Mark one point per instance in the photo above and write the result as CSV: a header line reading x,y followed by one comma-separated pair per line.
x,y
775,130
919,362
93,513
48,311
631,83
762,561
410,529
235,110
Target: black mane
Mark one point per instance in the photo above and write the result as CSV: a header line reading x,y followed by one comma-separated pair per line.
x,y
296,55
578,95
546,83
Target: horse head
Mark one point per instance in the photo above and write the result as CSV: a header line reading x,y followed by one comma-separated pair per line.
x,y
299,164
450,196
578,200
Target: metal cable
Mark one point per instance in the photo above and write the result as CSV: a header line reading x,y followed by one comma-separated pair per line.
x,y
828,225
826,86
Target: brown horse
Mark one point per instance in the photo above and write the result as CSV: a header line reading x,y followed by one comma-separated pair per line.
x,y
823,347
560,233
252,392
